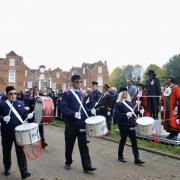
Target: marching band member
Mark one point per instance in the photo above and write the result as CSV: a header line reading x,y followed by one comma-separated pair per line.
x,y
36,94
126,122
11,111
87,97
74,115
95,95
153,89
171,109
105,106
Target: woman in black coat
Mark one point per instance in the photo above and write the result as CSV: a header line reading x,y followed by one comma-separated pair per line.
x,y
126,123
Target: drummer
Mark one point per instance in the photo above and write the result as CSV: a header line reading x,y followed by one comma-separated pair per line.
x,y
105,106
126,122
35,96
9,122
74,117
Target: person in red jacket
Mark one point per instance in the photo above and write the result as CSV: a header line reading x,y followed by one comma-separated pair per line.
x,y
171,106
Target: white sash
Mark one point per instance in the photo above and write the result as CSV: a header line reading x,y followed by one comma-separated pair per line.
x,y
14,111
103,95
77,97
129,107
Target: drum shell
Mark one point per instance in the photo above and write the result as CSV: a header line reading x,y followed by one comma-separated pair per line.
x,y
96,128
44,110
145,129
27,136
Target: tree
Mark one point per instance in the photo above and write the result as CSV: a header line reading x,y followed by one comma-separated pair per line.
x,y
137,73
128,72
115,77
173,68
119,76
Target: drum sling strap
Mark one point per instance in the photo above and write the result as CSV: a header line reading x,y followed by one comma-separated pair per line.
x,y
81,105
14,111
129,107
36,155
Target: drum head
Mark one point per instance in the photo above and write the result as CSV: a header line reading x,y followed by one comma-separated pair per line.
x,y
145,121
38,112
95,119
26,126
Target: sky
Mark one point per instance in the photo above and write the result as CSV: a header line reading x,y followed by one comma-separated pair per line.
x,y
66,33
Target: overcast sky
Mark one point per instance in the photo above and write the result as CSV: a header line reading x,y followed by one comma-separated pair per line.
x,y
66,33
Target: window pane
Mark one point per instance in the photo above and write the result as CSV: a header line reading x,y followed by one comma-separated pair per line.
x,y
100,70
12,76
12,62
84,82
100,81
29,84
57,75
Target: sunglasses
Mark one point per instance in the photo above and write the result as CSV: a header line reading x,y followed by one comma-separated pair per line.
x,y
13,93
78,81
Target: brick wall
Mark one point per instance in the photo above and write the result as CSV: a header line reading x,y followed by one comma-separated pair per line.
x,y
56,78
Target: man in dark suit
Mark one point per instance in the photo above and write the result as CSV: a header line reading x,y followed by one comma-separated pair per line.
x,y
95,95
74,117
154,90
105,106
9,121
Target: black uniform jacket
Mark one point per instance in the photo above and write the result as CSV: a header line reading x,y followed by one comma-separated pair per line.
x,y
120,111
8,129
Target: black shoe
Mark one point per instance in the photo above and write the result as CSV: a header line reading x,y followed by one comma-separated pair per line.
x,y
122,159
25,175
7,172
44,145
87,141
139,162
67,167
89,170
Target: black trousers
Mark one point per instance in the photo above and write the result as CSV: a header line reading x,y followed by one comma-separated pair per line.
x,y
41,132
126,131
103,112
108,122
71,133
7,143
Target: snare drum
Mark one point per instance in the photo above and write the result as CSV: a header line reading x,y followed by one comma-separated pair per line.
x,y
96,126
44,110
145,126
27,133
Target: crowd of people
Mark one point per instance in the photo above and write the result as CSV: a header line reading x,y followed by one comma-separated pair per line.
x,y
119,106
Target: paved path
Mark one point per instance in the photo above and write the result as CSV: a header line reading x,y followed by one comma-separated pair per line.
x,y
104,157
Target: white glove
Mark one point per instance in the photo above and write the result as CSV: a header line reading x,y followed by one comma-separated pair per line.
x,y
30,116
108,113
6,119
26,108
77,115
141,111
129,114
178,121
93,111
162,109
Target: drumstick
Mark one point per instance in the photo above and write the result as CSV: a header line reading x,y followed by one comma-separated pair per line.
x,y
27,118
100,99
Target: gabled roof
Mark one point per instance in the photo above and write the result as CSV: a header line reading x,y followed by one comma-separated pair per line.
x,y
12,53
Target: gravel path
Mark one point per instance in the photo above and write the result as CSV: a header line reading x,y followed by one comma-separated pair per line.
x,y
104,157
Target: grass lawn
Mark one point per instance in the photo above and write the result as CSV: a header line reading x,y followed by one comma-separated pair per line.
x,y
142,143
